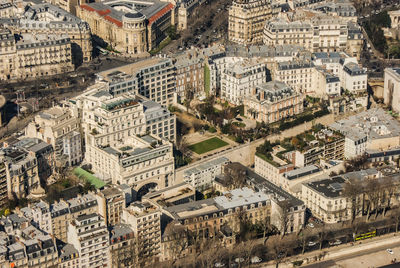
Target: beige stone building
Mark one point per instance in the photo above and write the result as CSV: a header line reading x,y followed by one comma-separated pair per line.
x,y
64,211
22,175
189,69
137,161
145,221
127,29
272,102
111,201
279,31
52,126
247,19
318,33
28,55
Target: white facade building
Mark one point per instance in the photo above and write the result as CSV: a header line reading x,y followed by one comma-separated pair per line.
x,y
391,90
239,78
203,175
90,237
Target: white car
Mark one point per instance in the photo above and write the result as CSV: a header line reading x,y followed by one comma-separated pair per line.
x,y
310,225
390,251
256,259
311,243
219,265
335,243
239,260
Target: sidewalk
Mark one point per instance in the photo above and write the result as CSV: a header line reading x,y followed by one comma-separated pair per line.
x,y
342,251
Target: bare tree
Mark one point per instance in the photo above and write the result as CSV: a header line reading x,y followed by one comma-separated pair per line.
x,y
235,175
189,95
352,190
389,189
284,216
322,234
395,217
279,248
305,236
177,238
373,190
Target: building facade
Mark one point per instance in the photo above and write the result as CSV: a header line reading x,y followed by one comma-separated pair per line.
x,y
89,235
273,101
391,90
246,20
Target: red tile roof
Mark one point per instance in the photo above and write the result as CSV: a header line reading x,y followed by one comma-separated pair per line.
x,y
88,8
115,21
103,13
160,13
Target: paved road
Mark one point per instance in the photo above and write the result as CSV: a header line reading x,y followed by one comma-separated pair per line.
x,y
355,260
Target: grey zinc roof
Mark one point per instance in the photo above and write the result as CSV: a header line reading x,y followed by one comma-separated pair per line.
x,y
68,250
120,230
206,166
330,187
241,197
368,124
300,172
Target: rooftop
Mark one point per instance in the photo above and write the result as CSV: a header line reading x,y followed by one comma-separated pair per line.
x,y
371,124
331,187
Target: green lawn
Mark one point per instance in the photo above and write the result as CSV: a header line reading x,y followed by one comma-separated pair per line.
x,y
96,182
207,145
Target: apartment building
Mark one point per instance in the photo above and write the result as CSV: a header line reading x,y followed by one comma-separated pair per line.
x,y
46,19
153,78
23,245
278,31
372,130
391,88
22,174
28,55
202,176
325,199
52,126
111,201
90,237
122,246
69,257
324,144
72,148
271,169
133,30
3,185
145,221
39,214
105,117
170,196
137,161
43,152
239,78
318,33
282,203
206,218
272,102
354,78
247,18
325,84
63,212
189,68
298,74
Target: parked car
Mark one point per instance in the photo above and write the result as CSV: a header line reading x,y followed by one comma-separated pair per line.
x,y
239,260
310,225
335,243
256,259
390,251
311,243
219,264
